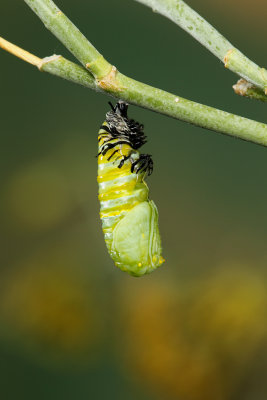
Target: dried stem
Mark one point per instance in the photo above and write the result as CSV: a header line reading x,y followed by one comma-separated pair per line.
x,y
55,65
18,52
246,89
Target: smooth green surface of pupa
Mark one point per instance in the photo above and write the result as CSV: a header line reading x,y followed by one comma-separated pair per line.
x,y
129,218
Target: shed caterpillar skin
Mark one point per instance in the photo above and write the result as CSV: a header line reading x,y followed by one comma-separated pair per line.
x,y
129,218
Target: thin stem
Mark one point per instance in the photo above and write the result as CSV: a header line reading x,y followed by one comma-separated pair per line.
x,y
18,52
123,87
57,22
63,68
184,16
55,65
198,114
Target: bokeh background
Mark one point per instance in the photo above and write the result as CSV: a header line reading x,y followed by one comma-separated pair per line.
x,y
72,326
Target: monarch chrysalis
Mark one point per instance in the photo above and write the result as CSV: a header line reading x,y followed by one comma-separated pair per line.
x,y
129,218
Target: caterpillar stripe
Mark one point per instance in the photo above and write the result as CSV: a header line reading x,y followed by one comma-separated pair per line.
x,y
129,218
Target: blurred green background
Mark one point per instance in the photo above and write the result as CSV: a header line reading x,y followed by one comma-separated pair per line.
x,y
71,325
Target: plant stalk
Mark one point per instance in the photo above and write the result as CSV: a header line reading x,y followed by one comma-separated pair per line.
x,y
123,87
198,114
189,20
20,53
68,34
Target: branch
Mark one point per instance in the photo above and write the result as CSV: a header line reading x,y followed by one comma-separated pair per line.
x,y
57,23
181,14
55,65
20,53
123,87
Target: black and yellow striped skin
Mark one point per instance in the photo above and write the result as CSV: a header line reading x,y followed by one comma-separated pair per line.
x,y
129,218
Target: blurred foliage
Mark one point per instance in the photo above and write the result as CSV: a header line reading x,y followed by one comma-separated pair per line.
x,y
71,324
26,193
196,341
49,309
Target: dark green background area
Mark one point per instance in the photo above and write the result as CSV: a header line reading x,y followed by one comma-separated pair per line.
x,y
71,325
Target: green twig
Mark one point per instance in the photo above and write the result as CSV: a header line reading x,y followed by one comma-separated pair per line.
x,y
198,114
57,22
123,87
180,13
55,65
63,68
160,101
